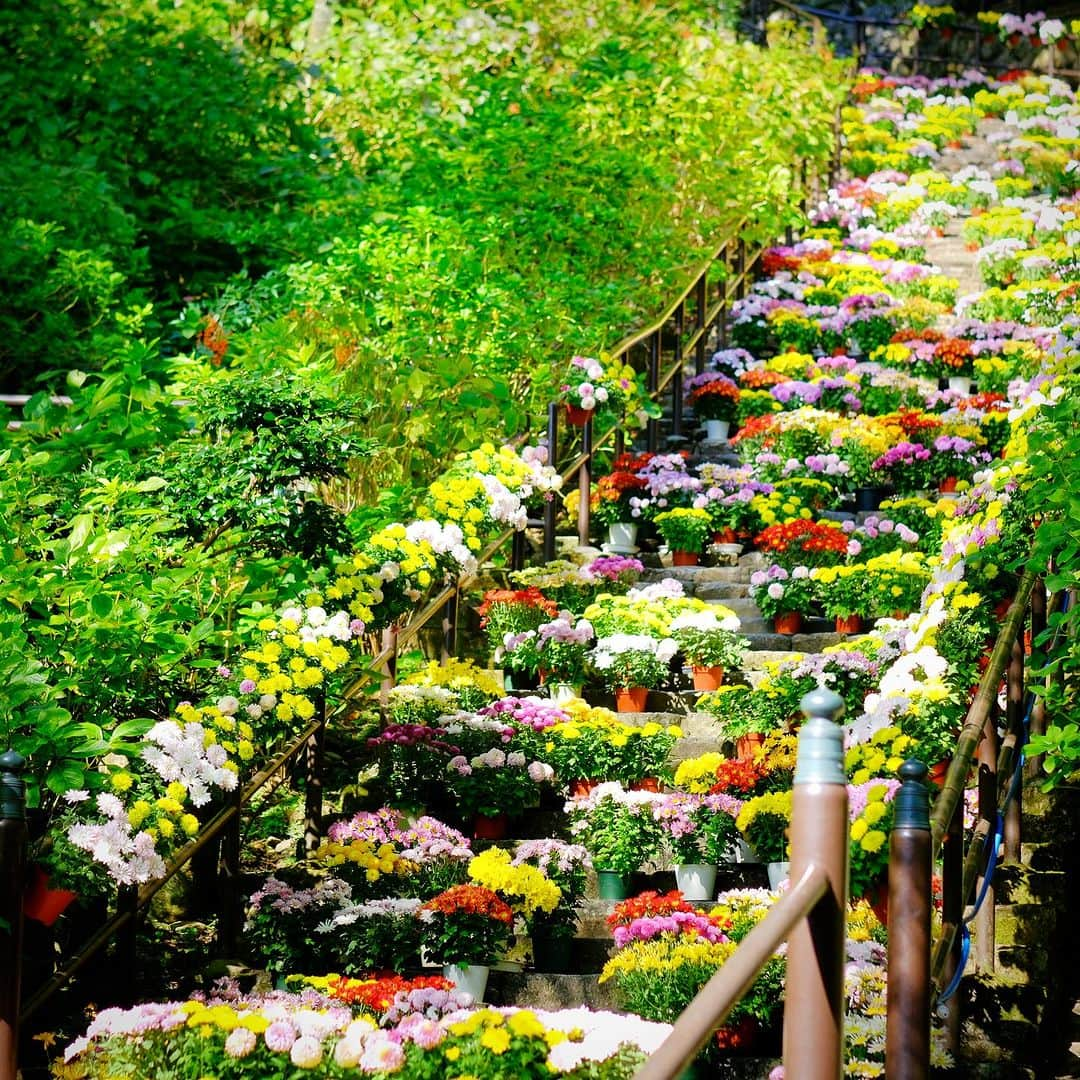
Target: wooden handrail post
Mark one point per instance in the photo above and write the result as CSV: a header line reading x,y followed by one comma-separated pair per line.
x,y
702,310
551,507
585,482
229,912
450,621
907,1031
677,379
389,646
517,551
652,382
814,994
127,939
952,911
1014,715
1037,725
987,757
13,843
314,759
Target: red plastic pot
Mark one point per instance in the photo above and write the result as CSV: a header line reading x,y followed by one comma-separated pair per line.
x,y
631,699
707,678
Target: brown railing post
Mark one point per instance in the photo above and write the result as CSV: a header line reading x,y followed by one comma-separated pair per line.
x,y
652,382
551,507
814,994
1014,714
389,646
1037,725
13,842
676,436
450,620
699,323
907,1026
740,267
314,758
952,912
987,757
229,913
517,550
585,481
127,939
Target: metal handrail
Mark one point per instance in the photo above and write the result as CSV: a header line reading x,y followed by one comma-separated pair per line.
x,y
715,1000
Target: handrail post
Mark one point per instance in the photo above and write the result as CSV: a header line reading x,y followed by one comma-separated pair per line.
x,y
585,482
699,323
652,382
952,911
127,939
13,844
551,507
676,436
907,1032
814,994
314,756
389,646
1033,765
987,756
517,550
229,921
450,618
1014,714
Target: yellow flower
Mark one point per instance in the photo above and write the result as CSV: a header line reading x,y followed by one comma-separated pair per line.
x,y
497,1040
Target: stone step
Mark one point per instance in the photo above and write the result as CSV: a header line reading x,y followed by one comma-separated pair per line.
x,y
1042,856
530,989
697,575
1022,885
724,592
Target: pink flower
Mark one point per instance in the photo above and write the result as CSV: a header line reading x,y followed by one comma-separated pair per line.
x,y
280,1036
306,1052
240,1043
382,1055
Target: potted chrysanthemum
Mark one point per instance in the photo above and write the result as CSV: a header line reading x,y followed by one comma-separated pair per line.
x,y
631,665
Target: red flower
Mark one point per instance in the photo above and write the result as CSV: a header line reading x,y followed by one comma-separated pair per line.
x,y
759,378
377,995
470,900
803,535
647,904
754,426
737,777
530,597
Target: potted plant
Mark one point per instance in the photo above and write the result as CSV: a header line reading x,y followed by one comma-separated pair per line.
x,y
783,595
552,931
490,784
529,892
684,530
619,832
631,665
711,642
844,594
955,460
508,612
465,929
585,390
905,467
613,505
715,399
700,830
562,649
763,822
745,715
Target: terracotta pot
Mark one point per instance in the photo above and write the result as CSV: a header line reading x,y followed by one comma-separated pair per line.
x,y
898,614
707,678
684,558
646,783
631,699
580,788
490,828
787,622
576,416
848,624
938,772
948,485
725,536
42,904
747,745
877,896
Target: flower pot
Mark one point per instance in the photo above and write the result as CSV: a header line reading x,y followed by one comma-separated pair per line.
x,y
725,536
778,873
848,624
42,904
696,881
787,622
961,384
748,745
717,430
553,954
490,828
470,978
562,692
645,783
948,485
877,896
580,788
867,499
576,416
684,558
707,678
622,535
612,885
631,699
